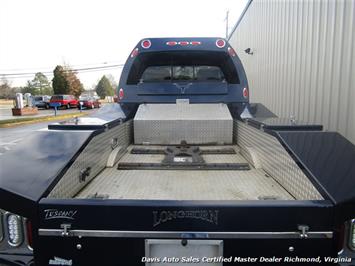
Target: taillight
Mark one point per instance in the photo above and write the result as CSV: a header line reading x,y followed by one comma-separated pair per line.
x,y
171,43
352,235
220,43
134,52
231,51
29,233
245,93
195,43
15,230
183,43
121,94
146,44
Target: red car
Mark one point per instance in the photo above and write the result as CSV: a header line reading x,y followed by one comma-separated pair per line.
x,y
67,101
89,102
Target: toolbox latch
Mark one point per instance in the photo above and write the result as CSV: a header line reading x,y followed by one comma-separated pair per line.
x,y
66,229
303,231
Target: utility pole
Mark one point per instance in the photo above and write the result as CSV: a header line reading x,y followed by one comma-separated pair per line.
x,y
227,14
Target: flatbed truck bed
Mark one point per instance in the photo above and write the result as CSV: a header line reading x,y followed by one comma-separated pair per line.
x,y
183,163
253,184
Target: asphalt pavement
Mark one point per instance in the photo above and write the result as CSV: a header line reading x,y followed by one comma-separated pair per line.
x,y
9,137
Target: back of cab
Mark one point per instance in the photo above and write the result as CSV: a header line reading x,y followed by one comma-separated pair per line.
x,y
202,70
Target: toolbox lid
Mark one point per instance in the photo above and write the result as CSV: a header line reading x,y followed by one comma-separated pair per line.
x,y
282,123
329,159
106,117
32,167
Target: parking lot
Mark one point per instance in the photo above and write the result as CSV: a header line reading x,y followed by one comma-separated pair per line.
x,y
6,113
9,137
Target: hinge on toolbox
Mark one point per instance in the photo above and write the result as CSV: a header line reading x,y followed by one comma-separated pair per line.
x,y
304,231
66,229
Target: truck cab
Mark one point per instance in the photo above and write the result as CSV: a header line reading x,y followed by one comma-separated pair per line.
x,y
203,70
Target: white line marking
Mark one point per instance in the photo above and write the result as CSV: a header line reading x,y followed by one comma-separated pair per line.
x,y
14,142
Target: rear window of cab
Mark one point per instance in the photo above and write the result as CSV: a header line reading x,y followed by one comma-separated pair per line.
x,y
177,73
178,66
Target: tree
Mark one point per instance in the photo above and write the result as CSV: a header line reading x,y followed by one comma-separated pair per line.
x,y
29,88
75,86
42,83
65,81
6,92
104,87
59,82
112,80
39,85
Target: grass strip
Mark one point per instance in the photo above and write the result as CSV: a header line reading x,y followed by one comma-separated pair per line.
x,y
31,120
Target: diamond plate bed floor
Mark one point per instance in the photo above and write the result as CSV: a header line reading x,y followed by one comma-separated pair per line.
x,y
184,184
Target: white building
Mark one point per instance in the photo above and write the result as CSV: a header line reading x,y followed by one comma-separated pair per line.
x,y
303,59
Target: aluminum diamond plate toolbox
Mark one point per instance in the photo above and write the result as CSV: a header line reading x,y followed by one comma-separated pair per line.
x,y
173,123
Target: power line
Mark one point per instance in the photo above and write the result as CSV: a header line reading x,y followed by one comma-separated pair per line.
x,y
38,69
84,70
50,75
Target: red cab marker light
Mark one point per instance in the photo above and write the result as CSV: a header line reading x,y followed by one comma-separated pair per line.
x,y
121,94
183,43
220,43
171,43
195,43
231,51
146,44
245,93
135,52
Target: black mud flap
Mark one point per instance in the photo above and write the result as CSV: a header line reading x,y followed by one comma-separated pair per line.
x,y
118,232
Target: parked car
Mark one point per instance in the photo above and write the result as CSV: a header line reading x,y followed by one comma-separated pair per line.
x,y
67,101
89,102
41,101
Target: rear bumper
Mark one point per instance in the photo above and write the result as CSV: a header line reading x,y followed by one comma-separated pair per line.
x,y
86,105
